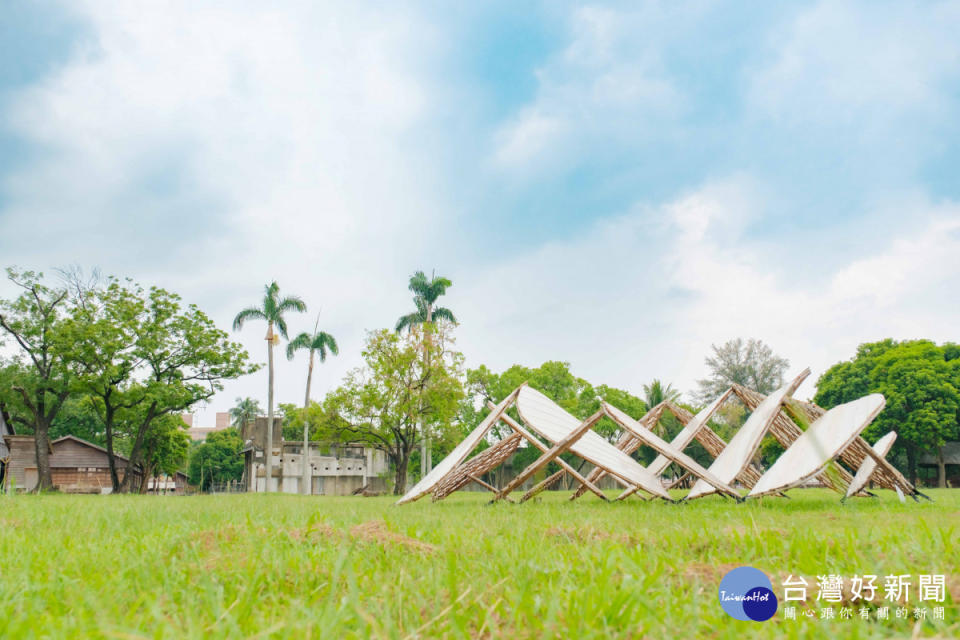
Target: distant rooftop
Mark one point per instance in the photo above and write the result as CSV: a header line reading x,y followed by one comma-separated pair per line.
x,y
197,432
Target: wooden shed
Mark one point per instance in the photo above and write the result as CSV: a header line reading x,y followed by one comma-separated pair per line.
x,y
76,466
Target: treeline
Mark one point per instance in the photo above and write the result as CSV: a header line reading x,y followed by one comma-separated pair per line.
x,y
115,360
116,363
379,403
921,383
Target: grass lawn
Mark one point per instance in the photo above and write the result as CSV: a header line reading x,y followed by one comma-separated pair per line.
x,y
291,566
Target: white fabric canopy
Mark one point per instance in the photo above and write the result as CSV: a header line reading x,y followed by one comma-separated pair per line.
x,y
550,421
822,442
741,448
867,467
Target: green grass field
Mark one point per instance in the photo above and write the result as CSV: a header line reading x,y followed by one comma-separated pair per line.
x,y
291,566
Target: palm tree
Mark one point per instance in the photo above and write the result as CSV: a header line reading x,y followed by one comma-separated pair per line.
x,y
317,343
656,392
425,294
244,412
271,310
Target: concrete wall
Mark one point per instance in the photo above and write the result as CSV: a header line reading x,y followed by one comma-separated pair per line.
x,y
330,475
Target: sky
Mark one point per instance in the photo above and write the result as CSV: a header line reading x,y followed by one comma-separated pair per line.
x,y
618,186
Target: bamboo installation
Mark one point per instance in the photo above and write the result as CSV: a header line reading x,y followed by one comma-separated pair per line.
x,y
817,445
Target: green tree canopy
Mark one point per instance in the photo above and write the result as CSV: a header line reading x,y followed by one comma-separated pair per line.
x,y
407,383
657,392
217,459
426,292
921,383
37,375
244,412
142,355
165,448
555,380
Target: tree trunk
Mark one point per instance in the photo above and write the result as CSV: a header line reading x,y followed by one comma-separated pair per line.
x,y
400,477
268,454
306,397
111,460
145,480
941,470
41,443
306,488
136,454
426,461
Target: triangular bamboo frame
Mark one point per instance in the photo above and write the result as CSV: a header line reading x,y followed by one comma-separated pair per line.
x,y
455,473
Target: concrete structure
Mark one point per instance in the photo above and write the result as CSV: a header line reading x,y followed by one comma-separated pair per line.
x,y
336,469
200,433
76,466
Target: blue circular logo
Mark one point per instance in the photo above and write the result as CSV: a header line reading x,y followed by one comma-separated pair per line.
x,y
747,594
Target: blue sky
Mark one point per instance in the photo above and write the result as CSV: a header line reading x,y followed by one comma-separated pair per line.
x,y
616,185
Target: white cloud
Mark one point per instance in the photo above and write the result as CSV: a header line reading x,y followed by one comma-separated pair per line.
x,y
606,86
854,64
646,295
213,149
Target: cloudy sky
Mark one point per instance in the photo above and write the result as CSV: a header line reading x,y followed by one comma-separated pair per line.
x,y
618,186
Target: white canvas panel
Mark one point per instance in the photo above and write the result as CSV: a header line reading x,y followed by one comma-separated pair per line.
x,y
550,421
882,447
665,448
687,434
822,442
458,455
743,445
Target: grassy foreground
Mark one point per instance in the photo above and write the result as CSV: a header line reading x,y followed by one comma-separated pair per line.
x,y
291,566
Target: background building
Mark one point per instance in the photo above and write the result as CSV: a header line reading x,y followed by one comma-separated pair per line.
x,y
201,433
76,466
335,469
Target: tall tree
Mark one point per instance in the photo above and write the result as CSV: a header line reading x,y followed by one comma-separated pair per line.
x,y
317,343
748,362
244,413
41,369
271,311
385,403
141,355
426,292
921,383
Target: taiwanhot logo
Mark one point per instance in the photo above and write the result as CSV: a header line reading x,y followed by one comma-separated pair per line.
x,y
747,594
